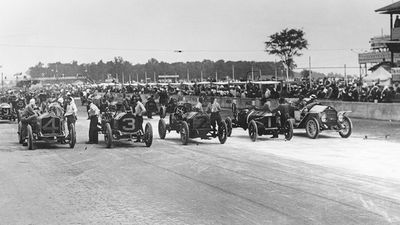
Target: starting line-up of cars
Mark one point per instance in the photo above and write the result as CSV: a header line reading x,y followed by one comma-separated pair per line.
x,y
189,123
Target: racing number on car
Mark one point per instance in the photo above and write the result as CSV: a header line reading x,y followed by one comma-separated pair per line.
x,y
128,124
50,126
20,104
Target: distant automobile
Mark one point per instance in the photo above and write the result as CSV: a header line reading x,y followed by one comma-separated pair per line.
x,y
7,113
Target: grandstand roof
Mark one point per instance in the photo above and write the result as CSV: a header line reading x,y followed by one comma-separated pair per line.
x,y
393,8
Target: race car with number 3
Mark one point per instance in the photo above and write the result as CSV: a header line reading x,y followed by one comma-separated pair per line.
x,y
122,126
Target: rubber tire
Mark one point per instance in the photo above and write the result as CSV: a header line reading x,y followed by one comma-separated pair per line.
x,y
253,130
345,118
30,137
184,131
228,122
162,129
288,130
20,138
163,112
108,135
72,133
222,132
312,122
148,134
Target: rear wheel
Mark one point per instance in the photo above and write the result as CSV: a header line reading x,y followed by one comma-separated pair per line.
x,y
162,128
184,133
222,132
347,127
108,135
30,137
288,130
72,134
20,138
228,122
253,130
148,134
312,128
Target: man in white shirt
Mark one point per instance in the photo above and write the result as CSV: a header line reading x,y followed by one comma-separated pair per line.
x,y
93,112
199,105
70,111
139,111
215,118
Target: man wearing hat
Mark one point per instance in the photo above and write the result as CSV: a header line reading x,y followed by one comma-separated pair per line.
x,y
139,111
70,111
93,112
29,116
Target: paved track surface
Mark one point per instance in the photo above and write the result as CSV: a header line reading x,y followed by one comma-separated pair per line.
x,y
329,180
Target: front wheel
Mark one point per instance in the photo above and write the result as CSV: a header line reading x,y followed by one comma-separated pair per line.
x,y
108,136
162,129
184,133
222,132
288,130
163,112
228,122
312,128
347,127
148,134
253,130
30,137
72,134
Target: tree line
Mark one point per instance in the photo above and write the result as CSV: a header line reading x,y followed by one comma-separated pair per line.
x,y
207,69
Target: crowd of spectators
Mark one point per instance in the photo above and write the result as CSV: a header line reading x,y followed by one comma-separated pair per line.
x,y
323,90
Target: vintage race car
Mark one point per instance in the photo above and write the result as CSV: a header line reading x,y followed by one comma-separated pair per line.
x,y
316,118
259,122
191,124
6,112
121,125
151,107
48,128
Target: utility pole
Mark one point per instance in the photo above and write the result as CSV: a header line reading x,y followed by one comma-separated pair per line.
x,y
216,76
233,72
252,74
137,77
309,70
130,78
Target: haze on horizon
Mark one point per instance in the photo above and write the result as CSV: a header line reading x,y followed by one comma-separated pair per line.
x,y
137,30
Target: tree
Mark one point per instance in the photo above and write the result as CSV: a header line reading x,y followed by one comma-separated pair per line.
x,y
286,45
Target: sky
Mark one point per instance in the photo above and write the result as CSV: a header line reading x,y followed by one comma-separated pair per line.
x,y
50,31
